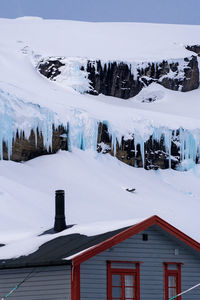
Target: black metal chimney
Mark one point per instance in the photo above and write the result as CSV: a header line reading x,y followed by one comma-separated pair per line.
x,y
60,224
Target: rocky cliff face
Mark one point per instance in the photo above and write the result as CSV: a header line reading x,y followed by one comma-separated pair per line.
x,y
155,153
125,80
24,148
194,48
50,68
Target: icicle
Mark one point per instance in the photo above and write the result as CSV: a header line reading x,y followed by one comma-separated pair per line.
x,y
83,131
138,140
167,143
16,114
157,134
114,141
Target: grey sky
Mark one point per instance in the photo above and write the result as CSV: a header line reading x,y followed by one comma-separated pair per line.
x,y
157,11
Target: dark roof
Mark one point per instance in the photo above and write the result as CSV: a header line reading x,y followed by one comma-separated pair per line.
x,y
53,252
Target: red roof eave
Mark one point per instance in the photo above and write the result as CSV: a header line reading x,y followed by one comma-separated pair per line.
x,y
127,233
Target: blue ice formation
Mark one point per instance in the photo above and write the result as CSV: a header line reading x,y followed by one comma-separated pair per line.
x,y
17,115
82,131
186,141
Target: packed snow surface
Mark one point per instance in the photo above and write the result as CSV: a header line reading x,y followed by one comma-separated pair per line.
x,y
96,197
126,41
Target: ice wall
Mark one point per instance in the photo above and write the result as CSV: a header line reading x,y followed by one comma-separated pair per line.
x,y
82,130
180,146
17,115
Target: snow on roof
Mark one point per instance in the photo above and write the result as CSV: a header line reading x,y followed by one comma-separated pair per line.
x,y
31,244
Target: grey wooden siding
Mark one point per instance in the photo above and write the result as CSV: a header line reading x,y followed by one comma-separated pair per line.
x,y
45,283
158,249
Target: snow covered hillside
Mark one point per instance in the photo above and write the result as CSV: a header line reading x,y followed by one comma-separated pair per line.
x,y
96,197
95,183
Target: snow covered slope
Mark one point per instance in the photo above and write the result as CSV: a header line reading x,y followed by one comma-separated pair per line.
x,y
96,197
95,183
115,41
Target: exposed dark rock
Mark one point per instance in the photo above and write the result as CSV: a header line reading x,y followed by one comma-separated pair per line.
x,y
194,48
24,149
50,68
116,79
113,79
123,80
191,76
155,153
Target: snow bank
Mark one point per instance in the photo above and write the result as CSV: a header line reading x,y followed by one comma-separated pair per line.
x,y
96,197
115,41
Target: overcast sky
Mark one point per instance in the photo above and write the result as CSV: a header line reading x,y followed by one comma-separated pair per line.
x,y
157,11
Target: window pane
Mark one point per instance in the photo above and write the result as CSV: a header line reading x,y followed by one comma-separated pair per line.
x,y
172,292
129,293
116,280
129,280
172,281
116,292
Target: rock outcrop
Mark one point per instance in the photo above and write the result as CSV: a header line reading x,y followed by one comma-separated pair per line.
x,y
155,153
24,148
194,48
123,80
126,80
50,68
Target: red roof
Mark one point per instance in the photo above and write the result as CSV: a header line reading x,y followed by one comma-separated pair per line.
x,y
127,233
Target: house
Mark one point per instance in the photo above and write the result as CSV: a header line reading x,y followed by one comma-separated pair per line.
x,y
151,260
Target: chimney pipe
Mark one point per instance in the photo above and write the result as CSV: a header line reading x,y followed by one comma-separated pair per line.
x,y
60,224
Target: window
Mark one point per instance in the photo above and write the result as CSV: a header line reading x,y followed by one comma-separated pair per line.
x,y
172,280
123,283
145,237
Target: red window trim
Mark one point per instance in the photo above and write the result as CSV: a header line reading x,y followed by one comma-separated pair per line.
x,y
111,270
124,262
168,272
173,263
